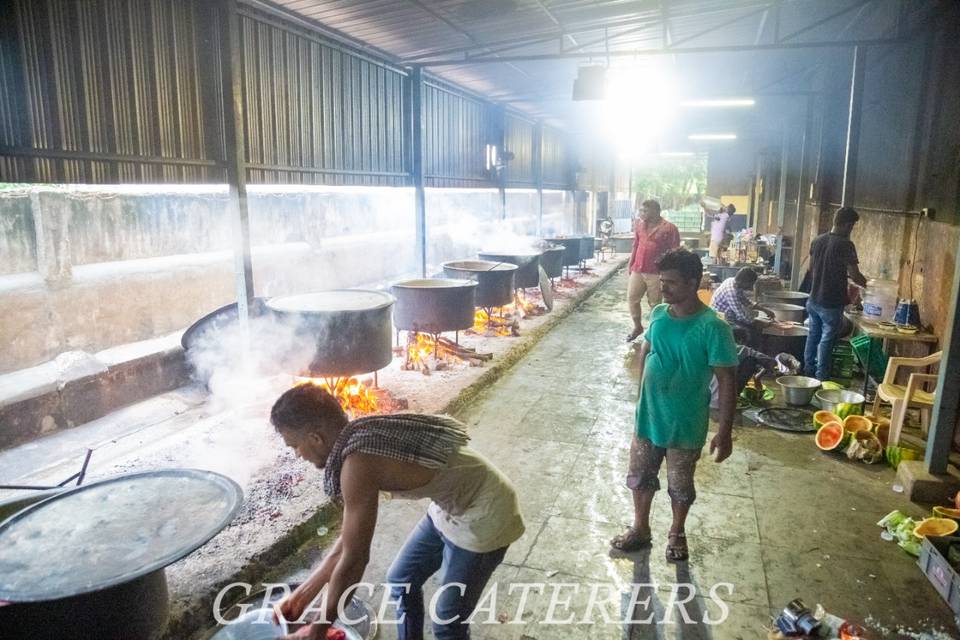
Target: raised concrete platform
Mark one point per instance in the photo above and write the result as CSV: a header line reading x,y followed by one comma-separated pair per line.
x,y
922,486
79,387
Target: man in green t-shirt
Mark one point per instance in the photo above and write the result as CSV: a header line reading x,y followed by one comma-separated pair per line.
x,y
685,345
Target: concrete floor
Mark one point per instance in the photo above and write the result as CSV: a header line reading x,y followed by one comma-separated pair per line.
x,y
778,520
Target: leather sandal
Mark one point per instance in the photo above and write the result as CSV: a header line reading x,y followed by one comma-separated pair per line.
x,y
630,540
677,547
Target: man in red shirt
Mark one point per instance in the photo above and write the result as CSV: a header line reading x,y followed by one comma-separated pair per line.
x,y
653,237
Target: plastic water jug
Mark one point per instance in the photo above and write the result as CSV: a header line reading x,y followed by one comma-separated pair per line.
x,y
880,300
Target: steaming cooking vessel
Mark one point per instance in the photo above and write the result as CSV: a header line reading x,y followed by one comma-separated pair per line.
x,y
571,249
434,305
351,328
215,321
495,282
88,563
528,266
552,260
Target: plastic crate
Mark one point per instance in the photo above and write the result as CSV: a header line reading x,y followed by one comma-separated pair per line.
x,y
841,364
943,577
878,360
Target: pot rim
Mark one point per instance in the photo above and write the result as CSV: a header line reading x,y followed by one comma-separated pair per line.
x,y
432,284
481,266
280,304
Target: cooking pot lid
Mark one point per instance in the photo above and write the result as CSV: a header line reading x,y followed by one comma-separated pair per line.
x,y
511,254
335,300
434,283
479,265
112,531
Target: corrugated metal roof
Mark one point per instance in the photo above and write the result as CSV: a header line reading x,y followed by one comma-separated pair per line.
x,y
417,30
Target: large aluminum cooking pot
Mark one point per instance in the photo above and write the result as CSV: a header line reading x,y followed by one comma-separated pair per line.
x,y
351,328
434,305
495,281
789,297
213,322
528,266
88,563
622,243
587,247
783,312
552,260
571,249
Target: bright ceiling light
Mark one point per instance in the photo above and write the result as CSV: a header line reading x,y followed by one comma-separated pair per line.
x,y
640,105
719,102
712,136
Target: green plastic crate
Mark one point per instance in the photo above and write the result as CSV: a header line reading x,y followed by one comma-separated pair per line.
x,y
878,360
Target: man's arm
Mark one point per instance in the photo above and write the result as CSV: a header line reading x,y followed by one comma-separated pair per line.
x,y
853,272
292,607
633,250
644,351
360,480
722,443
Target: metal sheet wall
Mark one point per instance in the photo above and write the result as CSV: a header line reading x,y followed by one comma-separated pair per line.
x,y
557,172
112,91
316,113
457,129
107,91
518,139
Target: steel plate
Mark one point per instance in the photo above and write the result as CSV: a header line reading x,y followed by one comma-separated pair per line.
x,y
787,419
112,531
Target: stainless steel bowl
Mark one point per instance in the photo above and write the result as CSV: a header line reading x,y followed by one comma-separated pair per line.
x,y
784,312
798,391
831,399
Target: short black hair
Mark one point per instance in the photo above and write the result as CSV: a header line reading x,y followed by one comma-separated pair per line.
x,y
845,216
306,407
686,263
651,204
747,276
731,209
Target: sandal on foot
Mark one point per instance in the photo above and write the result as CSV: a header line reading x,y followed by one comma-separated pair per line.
x,y
630,540
677,547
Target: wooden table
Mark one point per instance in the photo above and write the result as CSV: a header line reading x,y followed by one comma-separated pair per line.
x,y
873,330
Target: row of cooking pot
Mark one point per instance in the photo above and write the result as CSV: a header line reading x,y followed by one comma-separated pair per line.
x,y
352,329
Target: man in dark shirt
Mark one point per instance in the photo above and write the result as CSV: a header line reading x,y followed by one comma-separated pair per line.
x,y
833,258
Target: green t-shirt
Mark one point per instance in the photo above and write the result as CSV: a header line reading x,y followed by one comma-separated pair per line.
x,y
674,406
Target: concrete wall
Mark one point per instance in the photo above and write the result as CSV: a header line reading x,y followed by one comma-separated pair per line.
x,y
85,268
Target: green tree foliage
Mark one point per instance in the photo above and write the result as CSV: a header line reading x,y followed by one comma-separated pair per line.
x,y
675,182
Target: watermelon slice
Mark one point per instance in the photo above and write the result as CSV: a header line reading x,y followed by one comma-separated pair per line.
x,y
832,437
821,418
935,527
854,423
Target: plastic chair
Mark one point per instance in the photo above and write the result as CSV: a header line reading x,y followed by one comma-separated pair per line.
x,y
913,395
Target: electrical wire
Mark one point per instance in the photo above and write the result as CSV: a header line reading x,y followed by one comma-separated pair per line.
x,y
916,245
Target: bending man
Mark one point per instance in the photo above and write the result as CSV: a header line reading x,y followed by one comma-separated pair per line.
x,y
472,518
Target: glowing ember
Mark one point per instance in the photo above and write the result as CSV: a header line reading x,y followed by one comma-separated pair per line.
x,y
354,396
487,324
426,353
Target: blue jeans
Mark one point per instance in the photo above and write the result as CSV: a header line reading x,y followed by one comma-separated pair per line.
x,y
424,552
825,323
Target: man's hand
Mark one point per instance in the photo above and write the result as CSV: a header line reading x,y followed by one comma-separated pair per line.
x,y
319,631
289,608
722,444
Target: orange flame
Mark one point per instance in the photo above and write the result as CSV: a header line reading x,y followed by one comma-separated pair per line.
x,y
485,324
354,396
420,347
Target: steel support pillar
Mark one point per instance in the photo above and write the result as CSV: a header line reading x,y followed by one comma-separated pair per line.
x,y
853,128
782,200
947,408
538,173
234,154
416,164
799,233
